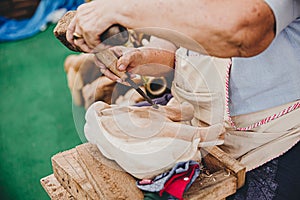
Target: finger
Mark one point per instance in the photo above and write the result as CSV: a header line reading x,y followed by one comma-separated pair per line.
x,y
83,46
131,75
124,61
105,71
99,63
86,48
91,39
117,50
110,75
70,31
80,42
88,23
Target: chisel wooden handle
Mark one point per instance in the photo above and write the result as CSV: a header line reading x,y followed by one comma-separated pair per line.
x,y
113,36
109,59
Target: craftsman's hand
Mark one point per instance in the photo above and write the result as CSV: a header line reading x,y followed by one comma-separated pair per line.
x,y
129,58
132,56
143,61
146,61
90,21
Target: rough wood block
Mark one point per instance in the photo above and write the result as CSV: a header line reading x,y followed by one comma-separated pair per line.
x,y
216,159
71,176
61,28
217,186
54,189
109,180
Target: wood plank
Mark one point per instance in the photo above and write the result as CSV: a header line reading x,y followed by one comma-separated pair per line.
x,y
217,159
109,180
54,189
71,176
217,186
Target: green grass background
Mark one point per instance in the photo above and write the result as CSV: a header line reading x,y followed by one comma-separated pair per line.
x,y
36,118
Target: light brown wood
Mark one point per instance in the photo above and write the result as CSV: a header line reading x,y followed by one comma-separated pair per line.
x,y
61,29
69,173
217,186
216,159
54,189
110,181
131,97
81,70
100,89
85,173
109,59
75,84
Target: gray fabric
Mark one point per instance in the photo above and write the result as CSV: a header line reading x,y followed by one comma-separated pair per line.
x,y
285,12
269,79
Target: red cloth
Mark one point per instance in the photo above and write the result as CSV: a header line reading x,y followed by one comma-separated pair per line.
x,y
176,185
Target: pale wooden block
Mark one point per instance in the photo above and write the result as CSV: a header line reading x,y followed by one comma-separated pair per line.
x,y
71,176
54,189
218,186
109,180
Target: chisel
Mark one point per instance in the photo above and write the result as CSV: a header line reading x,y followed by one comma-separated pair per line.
x,y
109,59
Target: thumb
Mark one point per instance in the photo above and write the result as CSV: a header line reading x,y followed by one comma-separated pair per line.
x,y
123,62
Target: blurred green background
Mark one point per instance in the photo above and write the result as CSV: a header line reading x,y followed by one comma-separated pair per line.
x,y
36,118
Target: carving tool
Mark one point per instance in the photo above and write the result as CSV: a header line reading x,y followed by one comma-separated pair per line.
x,y
115,36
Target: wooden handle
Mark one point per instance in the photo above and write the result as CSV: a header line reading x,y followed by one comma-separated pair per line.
x,y
108,58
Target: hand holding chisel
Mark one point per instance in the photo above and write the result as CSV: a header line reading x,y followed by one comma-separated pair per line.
x,y
113,36
108,58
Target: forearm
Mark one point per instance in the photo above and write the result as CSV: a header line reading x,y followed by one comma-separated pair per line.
x,y
153,56
223,28
159,51
154,59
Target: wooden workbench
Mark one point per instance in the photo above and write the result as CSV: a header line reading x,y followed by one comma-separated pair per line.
x,y
84,173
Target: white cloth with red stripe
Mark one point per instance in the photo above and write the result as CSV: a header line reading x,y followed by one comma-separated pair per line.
x,y
254,138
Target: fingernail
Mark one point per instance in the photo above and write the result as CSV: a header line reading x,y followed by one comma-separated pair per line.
x,y
119,80
121,67
132,75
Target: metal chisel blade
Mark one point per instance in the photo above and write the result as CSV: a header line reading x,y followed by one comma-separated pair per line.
x,y
140,91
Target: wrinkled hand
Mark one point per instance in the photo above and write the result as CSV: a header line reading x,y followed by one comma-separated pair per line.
x,y
90,21
128,59
143,61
